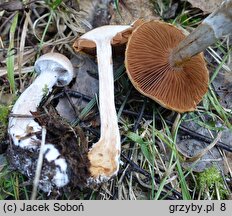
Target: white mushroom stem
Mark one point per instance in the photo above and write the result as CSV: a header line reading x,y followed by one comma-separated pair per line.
x,y
20,127
104,155
53,69
215,26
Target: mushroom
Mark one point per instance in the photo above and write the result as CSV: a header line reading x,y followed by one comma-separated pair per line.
x,y
165,65
150,70
104,155
53,69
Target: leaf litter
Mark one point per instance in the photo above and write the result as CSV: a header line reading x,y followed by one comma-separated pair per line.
x,y
208,6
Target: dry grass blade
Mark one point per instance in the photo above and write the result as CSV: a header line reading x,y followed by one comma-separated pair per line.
x,y
202,153
227,163
25,70
21,49
39,165
28,56
175,124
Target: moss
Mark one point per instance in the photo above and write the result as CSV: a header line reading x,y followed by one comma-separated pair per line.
x,y
45,90
4,112
211,179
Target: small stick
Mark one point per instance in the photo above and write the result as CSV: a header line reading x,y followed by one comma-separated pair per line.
x,y
25,116
74,94
136,125
71,102
215,26
39,165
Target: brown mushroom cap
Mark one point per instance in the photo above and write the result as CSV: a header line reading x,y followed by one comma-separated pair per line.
x,y
149,67
88,46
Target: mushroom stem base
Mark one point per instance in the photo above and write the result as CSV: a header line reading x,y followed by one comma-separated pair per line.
x,y
104,160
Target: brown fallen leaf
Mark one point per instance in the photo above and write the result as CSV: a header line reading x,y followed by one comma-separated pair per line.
x,y
94,11
208,6
11,6
129,11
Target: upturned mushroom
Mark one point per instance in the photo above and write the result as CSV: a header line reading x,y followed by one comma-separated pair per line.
x,y
53,69
150,69
165,65
104,155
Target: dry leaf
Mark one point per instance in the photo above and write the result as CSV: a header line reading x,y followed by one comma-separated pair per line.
x,y
12,5
96,12
208,6
129,11
84,84
223,85
6,99
171,12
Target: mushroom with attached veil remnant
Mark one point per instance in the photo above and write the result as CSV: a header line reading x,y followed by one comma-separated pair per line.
x,y
25,132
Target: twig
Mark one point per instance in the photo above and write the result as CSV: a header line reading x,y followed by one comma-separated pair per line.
x,y
25,116
39,165
205,139
3,72
71,102
7,21
74,94
138,120
136,125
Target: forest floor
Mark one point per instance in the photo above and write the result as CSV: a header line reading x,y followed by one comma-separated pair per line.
x,y
165,155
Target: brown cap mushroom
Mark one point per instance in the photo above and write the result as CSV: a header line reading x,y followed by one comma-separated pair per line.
x,y
152,72
120,38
